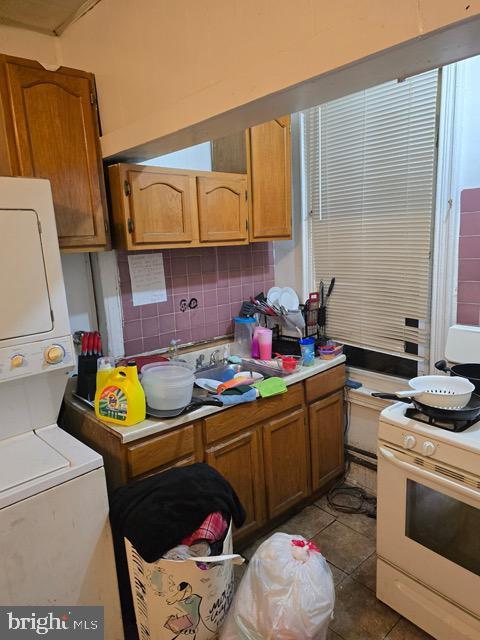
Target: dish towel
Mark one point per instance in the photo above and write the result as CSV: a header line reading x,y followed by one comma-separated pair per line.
x,y
249,396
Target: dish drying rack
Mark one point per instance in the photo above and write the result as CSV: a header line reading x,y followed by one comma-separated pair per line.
x,y
279,320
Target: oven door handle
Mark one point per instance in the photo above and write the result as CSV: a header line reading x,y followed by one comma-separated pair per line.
x,y
448,484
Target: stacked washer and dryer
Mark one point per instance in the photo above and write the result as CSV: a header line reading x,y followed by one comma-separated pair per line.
x,y
55,539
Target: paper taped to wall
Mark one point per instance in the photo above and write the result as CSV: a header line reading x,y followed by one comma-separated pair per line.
x,y
147,276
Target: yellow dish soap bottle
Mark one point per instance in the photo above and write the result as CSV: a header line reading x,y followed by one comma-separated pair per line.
x,y
121,399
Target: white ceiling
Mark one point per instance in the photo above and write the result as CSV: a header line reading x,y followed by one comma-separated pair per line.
x,y
46,16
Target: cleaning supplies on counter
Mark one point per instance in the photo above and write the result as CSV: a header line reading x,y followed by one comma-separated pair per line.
x,y
121,399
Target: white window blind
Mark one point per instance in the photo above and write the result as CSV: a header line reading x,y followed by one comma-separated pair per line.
x,y
370,179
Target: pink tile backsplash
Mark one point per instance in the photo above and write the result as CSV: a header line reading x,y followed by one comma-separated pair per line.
x,y
219,278
468,307
470,200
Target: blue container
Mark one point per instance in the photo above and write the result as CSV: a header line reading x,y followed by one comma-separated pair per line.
x,y
307,347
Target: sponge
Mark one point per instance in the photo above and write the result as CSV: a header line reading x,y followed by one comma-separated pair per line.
x,y
271,387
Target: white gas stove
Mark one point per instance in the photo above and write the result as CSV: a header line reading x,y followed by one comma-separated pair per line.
x,y
428,536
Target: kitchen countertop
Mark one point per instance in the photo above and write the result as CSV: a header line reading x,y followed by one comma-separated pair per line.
x,y
151,426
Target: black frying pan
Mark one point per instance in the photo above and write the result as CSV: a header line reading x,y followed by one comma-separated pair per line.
x,y
196,403
470,412
469,370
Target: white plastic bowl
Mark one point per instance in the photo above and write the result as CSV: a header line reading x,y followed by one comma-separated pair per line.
x,y
168,385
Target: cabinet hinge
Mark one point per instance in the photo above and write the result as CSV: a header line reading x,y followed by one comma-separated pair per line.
x,y
106,226
246,225
246,194
130,225
39,227
93,99
126,188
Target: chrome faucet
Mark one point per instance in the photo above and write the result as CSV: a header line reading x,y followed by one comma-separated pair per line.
x,y
199,361
213,357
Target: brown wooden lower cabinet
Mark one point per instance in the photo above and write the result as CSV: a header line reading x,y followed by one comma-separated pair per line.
x,y
286,461
239,460
326,418
275,452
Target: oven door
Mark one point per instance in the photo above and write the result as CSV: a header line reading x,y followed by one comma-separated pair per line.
x,y
429,525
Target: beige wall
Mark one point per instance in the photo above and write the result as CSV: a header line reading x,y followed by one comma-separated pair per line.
x,y
28,44
162,66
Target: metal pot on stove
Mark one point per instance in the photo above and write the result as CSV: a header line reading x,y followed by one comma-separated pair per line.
x,y
469,370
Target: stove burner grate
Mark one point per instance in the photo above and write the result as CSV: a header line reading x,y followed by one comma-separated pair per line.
x,y
453,425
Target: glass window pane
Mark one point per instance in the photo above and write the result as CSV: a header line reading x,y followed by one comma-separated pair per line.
x,y
444,525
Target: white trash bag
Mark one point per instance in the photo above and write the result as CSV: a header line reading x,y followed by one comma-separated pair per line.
x,y
286,593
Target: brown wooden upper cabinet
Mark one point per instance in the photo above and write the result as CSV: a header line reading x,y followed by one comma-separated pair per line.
x,y
264,152
270,176
223,207
154,207
49,129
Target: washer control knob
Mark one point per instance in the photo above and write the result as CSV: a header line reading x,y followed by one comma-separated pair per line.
x,y
428,448
409,441
54,354
17,360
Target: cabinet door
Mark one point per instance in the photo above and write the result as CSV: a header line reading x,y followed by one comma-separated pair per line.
x,y
286,462
270,169
163,207
239,461
57,138
326,438
223,208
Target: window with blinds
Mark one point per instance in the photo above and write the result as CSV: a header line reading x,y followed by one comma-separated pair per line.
x,y
369,163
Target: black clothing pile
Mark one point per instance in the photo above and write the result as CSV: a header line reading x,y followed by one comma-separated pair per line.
x,y
156,513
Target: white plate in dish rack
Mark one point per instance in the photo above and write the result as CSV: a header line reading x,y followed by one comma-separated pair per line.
x,y
289,299
274,294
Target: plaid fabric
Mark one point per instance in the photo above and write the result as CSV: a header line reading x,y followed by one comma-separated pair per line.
x,y
212,529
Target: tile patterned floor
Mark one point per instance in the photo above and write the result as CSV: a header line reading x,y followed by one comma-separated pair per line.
x,y
348,543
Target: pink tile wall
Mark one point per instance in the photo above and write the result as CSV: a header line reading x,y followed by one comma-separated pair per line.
x,y
219,278
468,305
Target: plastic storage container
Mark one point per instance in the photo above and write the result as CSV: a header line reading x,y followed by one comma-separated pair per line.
x,y
243,334
330,350
168,385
